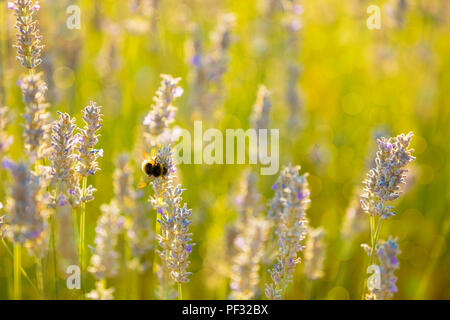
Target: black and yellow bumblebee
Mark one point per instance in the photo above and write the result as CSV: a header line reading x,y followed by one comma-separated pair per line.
x,y
152,168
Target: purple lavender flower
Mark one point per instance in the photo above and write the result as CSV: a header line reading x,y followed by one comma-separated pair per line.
x,y
158,121
383,182
28,38
288,211
387,252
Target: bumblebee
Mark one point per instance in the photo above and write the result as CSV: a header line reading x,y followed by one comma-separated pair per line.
x,y
152,168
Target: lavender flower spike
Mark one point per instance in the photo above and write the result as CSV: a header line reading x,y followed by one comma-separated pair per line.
x,y
158,121
27,210
288,211
63,160
105,259
88,155
383,182
175,238
28,38
36,128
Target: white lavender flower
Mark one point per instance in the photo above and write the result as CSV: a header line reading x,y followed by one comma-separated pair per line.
x,y
88,155
28,39
383,182
36,116
288,210
315,254
63,161
175,238
387,253
157,123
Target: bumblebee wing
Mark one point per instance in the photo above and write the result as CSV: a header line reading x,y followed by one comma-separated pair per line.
x,y
142,184
145,155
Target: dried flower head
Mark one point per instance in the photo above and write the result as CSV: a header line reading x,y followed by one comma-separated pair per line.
x,y
28,39
5,139
161,116
315,254
87,154
288,210
36,116
261,110
387,253
383,182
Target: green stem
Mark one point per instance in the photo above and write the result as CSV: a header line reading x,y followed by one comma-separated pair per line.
x,y
52,239
166,278
371,223
308,289
374,235
53,245
285,274
156,230
82,236
24,273
40,277
180,292
17,269
375,241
